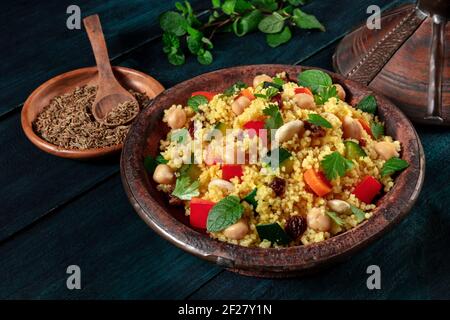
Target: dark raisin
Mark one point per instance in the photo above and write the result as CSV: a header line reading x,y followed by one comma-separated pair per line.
x,y
278,185
295,226
316,131
191,129
362,142
278,100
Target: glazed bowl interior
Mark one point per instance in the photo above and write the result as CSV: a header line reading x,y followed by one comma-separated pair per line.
x,y
67,82
171,223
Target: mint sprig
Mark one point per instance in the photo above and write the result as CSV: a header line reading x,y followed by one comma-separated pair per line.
x,y
335,165
224,213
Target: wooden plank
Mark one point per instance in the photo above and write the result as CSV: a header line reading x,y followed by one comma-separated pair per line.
x,y
41,46
119,256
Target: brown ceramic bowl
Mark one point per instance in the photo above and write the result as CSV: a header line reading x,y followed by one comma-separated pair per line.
x,y
171,224
67,82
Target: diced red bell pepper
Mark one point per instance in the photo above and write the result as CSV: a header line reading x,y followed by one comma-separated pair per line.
x,y
255,125
206,94
231,170
199,210
303,90
367,189
366,127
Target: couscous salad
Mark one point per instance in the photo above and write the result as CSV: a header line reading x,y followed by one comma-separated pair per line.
x,y
278,162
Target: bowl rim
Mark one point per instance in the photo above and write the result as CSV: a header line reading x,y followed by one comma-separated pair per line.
x,y
248,259
27,126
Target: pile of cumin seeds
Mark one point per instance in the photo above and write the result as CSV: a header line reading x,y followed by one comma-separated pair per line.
x,y
68,121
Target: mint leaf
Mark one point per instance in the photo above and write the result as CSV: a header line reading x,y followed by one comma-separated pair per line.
x,y
275,119
176,57
306,21
377,130
250,198
224,213
335,165
319,121
368,104
275,85
248,23
204,57
238,86
196,101
314,79
393,165
335,218
359,214
271,24
266,5
170,41
228,6
173,22
277,39
279,82
184,189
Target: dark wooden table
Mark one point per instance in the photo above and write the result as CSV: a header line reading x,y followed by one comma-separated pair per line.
x,y
56,212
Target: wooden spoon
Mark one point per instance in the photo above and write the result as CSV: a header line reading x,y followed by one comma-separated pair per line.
x,y
109,93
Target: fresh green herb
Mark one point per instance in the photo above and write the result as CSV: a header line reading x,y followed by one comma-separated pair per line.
x,y
335,218
319,121
275,85
275,18
185,189
393,165
238,86
180,136
196,101
250,198
160,159
377,130
324,94
224,213
314,79
275,120
279,82
306,21
276,39
335,165
190,170
368,104
273,232
359,214
283,155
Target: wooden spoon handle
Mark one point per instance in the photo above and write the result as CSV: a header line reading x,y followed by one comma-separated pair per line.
x,y
94,30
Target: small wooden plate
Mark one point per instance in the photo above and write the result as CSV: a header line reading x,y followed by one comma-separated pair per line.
x,y
67,82
171,223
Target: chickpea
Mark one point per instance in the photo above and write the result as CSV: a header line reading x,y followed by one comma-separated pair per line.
x,y
163,174
304,101
317,220
239,105
176,119
237,231
386,150
340,91
261,79
338,206
288,130
352,128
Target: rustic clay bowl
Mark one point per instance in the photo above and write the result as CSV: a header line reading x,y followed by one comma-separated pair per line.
x,y
171,224
67,82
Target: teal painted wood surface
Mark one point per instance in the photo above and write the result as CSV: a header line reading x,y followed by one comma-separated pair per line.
x,y
57,212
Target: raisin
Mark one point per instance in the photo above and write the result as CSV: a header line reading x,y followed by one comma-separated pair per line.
x,y
278,185
191,129
316,131
295,226
362,142
278,100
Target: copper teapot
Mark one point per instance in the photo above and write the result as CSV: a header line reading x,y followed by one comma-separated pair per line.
x,y
407,59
